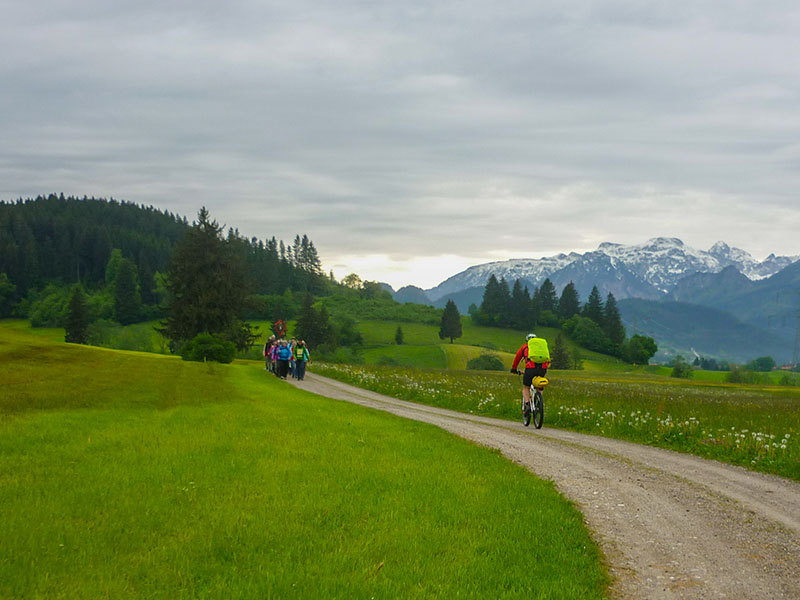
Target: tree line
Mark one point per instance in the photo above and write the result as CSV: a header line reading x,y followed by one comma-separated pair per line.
x,y
120,254
595,325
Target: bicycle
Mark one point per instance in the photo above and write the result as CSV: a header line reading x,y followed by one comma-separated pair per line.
x,y
537,411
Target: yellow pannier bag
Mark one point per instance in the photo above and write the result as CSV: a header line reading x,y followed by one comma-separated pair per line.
x,y
539,382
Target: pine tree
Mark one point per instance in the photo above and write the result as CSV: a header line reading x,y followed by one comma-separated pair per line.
x,y
7,291
127,301
593,309
77,323
559,356
548,299
451,322
307,327
207,283
569,304
112,266
612,323
398,336
496,300
520,306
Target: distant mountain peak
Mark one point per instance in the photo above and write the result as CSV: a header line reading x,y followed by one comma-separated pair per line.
x,y
647,270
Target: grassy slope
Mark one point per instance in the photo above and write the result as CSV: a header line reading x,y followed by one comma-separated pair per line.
x,y
476,340
125,475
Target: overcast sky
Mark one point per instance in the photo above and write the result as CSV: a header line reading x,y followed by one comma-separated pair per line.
x,y
409,139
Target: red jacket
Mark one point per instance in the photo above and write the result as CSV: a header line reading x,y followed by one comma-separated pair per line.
x,y
523,351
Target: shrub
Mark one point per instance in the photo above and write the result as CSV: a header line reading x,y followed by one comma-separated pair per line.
x,y
547,318
205,346
681,368
762,364
485,362
742,375
588,334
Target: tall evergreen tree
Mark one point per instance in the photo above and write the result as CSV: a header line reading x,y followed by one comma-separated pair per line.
x,y
451,322
127,301
593,309
569,304
612,323
520,308
77,323
207,283
536,307
504,317
112,267
559,356
307,327
7,291
496,300
548,299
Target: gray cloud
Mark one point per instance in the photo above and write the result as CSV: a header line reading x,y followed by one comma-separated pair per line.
x,y
417,129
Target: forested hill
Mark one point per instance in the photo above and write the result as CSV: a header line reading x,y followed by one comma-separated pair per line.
x,y
70,239
64,240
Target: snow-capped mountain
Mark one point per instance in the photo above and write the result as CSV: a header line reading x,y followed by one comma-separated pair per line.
x,y
529,269
648,270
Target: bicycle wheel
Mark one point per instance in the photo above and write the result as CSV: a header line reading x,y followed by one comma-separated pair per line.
x,y
526,412
538,410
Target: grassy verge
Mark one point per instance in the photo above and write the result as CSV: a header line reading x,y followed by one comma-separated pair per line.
x,y
757,427
124,475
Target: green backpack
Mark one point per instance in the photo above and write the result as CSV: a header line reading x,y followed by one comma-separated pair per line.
x,y
537,350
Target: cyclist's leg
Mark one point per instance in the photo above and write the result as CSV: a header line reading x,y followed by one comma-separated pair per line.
x,y
527,379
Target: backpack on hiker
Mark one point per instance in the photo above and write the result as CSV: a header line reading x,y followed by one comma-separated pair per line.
x,y
538,351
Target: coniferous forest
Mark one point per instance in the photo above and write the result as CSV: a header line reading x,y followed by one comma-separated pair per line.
x,y
120,253
595,325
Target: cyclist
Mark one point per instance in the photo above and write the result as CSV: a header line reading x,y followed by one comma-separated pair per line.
x,y
537,359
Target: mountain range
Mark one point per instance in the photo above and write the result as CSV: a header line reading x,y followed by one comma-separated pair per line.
x,y
669,285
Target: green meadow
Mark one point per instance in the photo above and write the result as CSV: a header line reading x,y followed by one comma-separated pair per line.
x,y
128,475
754,426
421,347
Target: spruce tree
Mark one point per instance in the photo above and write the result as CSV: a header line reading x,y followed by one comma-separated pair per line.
x,y
548,299
559,356
593,309
451,322
612,323
207,283
307,327
491,294
77,324
504,315
398,336
569,304
127,301
7,291
520,306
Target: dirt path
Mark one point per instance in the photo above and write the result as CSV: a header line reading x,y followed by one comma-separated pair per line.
x,y
670,525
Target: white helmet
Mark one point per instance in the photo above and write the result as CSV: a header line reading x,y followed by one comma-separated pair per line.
x,y
530,336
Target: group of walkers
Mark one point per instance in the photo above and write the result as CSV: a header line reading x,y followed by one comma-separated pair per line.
x,y
286,357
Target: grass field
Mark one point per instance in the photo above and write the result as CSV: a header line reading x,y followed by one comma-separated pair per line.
x,y
754,426
126,475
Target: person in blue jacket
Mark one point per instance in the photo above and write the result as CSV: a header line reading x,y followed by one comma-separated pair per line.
x,y
284,354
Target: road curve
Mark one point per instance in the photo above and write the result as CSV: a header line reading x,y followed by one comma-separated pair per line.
x,y
671,525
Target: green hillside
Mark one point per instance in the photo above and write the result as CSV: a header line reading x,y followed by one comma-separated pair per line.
x,y
423,348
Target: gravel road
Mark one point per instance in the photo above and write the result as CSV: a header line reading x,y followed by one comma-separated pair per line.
x,y
671,525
